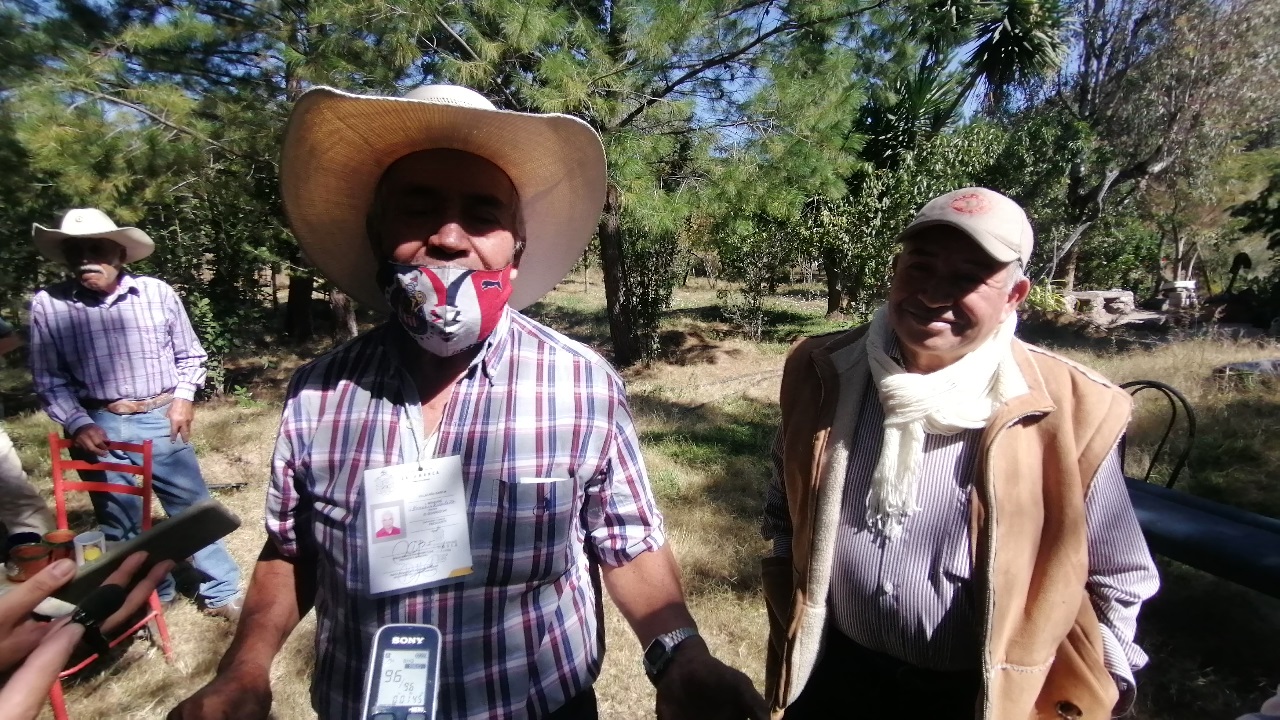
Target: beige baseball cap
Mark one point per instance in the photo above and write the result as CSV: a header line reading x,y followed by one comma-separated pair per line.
x,y
995,222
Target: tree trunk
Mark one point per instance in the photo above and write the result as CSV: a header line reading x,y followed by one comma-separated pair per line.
x,y
614,266
1066,273
831,268
1070,248
297,323
344,315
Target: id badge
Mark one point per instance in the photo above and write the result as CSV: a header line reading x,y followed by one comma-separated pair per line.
x,y
417,534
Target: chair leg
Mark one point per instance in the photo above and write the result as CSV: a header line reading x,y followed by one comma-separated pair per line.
x,y
58,701
161,628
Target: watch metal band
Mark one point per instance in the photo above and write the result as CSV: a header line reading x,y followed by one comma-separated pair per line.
x,y
660,651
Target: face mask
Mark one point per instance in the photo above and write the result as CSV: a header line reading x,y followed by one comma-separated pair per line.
x,y
445,309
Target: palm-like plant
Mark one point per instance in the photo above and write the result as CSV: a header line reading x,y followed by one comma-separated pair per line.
x,y
1018,41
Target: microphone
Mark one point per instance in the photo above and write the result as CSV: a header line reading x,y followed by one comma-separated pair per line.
x,y
100,604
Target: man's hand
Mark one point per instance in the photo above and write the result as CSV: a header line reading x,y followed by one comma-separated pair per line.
x,y
232,694
181,413
696,686
91,438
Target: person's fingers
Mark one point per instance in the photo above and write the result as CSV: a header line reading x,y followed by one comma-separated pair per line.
x,y
123,574
20,641
28,687
17,604
138,594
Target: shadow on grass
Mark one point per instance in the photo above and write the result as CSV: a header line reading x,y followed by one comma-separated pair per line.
x,y
727,444
1212,646
1232,458
779,324
17,395
590,327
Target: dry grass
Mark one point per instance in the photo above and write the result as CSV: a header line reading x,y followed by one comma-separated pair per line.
x,y
705,414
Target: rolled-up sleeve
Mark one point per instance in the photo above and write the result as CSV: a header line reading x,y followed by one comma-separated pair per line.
x,y
288,509
621,516
1122,574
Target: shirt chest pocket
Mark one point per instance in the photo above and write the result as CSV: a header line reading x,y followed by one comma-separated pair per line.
x,y
528,527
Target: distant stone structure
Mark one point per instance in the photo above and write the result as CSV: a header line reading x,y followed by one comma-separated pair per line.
x,y
1101,306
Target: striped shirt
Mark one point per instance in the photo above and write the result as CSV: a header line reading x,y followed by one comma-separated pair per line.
x,y
133,344
912,598
521,634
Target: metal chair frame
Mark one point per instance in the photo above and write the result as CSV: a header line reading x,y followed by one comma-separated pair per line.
x,y
154,616
1175,400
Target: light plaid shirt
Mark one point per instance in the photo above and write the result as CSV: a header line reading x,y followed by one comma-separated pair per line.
x,y
131,345
521,634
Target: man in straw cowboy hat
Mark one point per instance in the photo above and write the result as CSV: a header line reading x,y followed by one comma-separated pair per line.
x,y
952,535
510,447
114,358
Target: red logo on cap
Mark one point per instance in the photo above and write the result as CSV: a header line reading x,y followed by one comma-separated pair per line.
x,y
970,204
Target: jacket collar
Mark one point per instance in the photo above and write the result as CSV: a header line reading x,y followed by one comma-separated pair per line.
x,y
847,350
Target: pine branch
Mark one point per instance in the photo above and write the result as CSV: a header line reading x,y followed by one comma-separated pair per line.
x,y
474,56
728,57
160,119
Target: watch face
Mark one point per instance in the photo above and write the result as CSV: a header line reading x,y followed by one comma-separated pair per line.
x,y
654,654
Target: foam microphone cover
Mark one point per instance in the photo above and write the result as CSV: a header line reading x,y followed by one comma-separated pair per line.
x,y
103,602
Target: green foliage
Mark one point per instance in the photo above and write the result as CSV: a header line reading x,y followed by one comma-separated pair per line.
x,y
1045,298
1119,252
856,236
1262,214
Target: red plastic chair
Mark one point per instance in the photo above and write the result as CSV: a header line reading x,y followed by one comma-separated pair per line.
x,y
154,617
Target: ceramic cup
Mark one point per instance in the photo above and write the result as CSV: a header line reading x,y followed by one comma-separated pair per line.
x,y
27,560
61,543
90,546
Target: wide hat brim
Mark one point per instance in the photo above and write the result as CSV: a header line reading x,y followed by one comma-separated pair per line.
x,y
337,145
136,243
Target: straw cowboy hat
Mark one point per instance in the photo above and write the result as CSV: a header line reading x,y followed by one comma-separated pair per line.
x,y
90,222
337,145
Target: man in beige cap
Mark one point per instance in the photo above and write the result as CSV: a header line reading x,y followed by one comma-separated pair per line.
x,y
506,450
951,533
114,358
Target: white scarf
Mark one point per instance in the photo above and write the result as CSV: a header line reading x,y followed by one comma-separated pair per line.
x,y
961,396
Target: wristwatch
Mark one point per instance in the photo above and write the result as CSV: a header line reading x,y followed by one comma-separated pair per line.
x,y
663,648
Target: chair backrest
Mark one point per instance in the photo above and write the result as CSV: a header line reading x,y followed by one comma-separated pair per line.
x,y
1176,400
61,485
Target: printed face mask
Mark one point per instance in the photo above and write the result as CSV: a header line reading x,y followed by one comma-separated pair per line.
x,y
445,309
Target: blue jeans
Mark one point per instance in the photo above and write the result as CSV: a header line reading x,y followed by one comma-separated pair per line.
x,y
175,481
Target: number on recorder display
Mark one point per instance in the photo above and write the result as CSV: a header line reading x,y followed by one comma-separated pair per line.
x,y
403,674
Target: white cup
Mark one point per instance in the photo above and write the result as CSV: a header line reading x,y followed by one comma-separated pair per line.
x,y
90,546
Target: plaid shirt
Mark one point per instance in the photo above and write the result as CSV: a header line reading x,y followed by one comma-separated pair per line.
x,y
133,344
521,634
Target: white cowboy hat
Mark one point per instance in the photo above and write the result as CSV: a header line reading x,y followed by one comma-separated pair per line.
x,y
337,145
90,222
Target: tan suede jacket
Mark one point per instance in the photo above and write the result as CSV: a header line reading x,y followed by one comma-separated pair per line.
x,y
1042,648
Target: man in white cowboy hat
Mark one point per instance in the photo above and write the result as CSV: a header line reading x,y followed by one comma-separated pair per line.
x,y
114,358
511,447
952,535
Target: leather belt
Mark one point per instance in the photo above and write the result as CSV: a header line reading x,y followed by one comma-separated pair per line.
x,y
130,407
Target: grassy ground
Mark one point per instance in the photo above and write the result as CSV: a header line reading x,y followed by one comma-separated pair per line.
x,y
706,413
